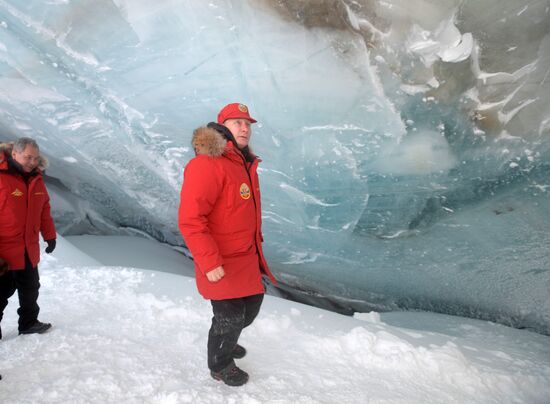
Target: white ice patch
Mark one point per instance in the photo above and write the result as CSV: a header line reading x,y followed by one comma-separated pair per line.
x,y
48,34
416,154
446,43
14,90
302,196
544,126
500,77
414,89
371,317
301,257
459,52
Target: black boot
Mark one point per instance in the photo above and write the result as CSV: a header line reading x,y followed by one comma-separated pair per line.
x,y
36,328
231,375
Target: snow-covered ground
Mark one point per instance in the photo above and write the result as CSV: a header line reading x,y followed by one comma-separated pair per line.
x,y
128,335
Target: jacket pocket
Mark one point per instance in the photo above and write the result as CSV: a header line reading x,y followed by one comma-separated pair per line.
x,y
231,245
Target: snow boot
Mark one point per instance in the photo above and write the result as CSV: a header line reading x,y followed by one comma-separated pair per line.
x,y
36,328
238,352
231,375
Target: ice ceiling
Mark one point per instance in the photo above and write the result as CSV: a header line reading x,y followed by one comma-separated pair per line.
x,y
405,144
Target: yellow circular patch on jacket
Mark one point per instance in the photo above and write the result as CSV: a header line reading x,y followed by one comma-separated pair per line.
x,y
244,191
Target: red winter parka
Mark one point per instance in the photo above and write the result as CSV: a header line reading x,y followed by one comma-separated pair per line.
x,y
24,212
220,218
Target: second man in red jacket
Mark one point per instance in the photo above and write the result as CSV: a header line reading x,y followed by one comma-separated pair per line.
x,y
24,214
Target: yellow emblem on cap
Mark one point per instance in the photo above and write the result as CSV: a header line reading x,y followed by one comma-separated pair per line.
x,y
17,192
244,191
243,108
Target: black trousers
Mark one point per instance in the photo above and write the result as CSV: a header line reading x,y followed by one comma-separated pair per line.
x,y
27,284
231,316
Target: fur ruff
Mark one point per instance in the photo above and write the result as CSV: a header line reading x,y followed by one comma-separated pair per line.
x,y
208,141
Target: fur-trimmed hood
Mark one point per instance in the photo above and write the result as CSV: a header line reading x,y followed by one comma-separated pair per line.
x,y
214,139
208,141
7,148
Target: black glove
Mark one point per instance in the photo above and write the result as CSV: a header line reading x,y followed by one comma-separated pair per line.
x,y
51,246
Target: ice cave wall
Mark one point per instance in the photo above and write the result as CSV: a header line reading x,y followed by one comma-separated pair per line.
x,y
404,143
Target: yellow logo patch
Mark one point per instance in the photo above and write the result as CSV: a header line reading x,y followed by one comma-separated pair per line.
x,y
244,191
17,192
243,108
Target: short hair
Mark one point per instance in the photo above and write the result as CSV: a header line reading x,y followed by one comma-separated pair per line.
x,y
21,144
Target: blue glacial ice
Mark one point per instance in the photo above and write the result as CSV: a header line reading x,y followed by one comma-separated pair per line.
x,y
405,145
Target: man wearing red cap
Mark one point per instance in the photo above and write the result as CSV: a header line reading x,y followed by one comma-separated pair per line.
x,y
220,220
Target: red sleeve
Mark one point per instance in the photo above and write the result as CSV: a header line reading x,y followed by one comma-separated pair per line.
x,y
47,226
202,185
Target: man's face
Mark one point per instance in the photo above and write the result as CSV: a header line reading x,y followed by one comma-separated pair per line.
x,y
28,158
241,130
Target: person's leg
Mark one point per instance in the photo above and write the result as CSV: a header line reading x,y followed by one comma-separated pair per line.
x,y
252,308
27,282
227,324
7,289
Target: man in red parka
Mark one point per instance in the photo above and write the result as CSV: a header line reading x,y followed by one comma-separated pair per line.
x,y
220,220
24,213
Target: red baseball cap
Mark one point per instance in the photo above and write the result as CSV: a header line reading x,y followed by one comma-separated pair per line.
x,y
234,111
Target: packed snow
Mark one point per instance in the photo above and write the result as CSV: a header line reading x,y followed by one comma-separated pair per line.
x,y
132,334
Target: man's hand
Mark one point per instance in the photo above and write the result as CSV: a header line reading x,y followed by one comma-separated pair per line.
x,y
51,246
3,267
216,274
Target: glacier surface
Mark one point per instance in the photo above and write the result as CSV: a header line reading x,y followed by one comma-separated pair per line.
x,y
405,144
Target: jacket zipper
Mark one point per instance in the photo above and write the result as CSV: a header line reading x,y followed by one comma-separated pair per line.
x,y
247,169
